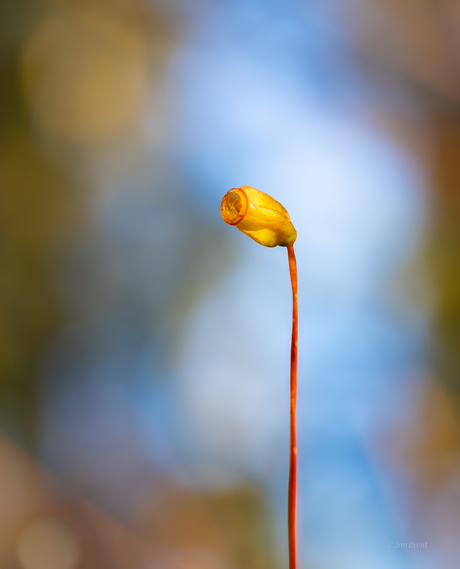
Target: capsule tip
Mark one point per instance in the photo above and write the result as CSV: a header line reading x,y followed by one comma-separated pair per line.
x,y
234,206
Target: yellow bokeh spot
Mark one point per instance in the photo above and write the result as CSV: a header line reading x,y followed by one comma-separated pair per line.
x,y
47,543
83,78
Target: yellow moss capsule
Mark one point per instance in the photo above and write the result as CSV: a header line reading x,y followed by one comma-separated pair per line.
x,y
259,216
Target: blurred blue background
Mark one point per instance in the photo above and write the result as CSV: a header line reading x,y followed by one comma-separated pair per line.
x,y
144,344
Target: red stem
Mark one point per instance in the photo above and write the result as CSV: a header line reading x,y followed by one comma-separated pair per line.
x,y
292,495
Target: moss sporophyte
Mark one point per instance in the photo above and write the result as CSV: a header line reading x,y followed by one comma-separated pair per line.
x,y
267,222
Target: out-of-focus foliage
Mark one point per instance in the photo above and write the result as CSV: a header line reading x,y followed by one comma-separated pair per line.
x,y
144,347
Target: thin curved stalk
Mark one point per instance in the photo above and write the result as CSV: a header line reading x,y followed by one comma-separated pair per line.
x,y
292,495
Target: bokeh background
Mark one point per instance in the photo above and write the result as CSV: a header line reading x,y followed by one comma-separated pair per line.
x,y
144,344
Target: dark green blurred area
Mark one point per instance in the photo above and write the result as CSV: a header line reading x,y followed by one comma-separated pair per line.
x,y
40,215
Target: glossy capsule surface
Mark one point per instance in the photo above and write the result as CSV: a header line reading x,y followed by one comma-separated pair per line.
x,y
259,216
